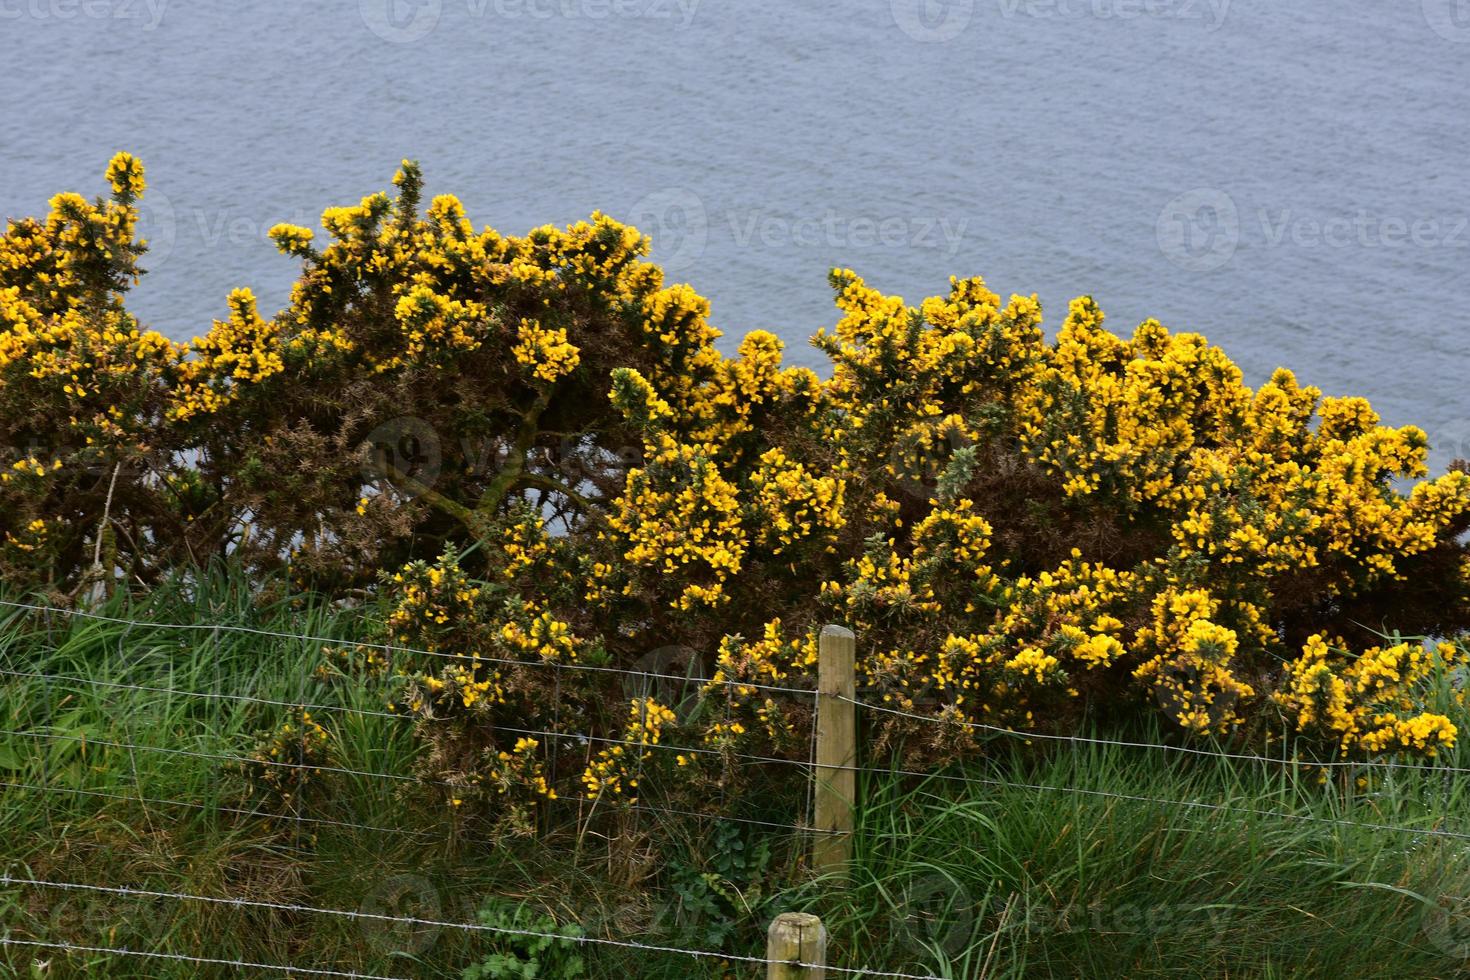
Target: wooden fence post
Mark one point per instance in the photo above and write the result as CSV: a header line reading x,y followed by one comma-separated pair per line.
x,y
836,787
796,937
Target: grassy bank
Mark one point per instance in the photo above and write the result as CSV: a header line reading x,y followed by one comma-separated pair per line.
x,y
1060,859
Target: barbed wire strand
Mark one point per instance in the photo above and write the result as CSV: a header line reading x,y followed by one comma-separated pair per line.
x,y
87,740
514,730
947,777
391,648
1002,783
789,828
6,879
185,958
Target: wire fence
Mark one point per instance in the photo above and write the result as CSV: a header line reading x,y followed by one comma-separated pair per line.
x,y
440,924
60,686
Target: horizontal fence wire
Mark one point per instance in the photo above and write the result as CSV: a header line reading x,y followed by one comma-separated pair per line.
x,y
197,960
475,658
398,716
730,754
1183,804
880,771
293,818
213,808
584,737
809,764
946,777
883,771
209,695
400,831
130,746
243,759
6,879
1156,746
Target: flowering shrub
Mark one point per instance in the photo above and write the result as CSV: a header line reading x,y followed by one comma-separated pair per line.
x,y
1016,528
284,761
84,464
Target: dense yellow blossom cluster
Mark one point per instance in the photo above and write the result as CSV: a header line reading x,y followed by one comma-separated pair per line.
x,y
431,600
521,768
678,512
1374,702
285,760
534,631
615,770
238,351
545,352
1017,529
792,503
1191,670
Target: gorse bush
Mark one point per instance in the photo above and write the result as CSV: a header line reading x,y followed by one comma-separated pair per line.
x,y
83,394
543,438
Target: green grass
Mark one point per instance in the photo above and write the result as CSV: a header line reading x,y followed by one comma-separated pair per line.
x,y
1035,861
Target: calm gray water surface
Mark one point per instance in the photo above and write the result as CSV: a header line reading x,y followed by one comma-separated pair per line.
x,y
1288,178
